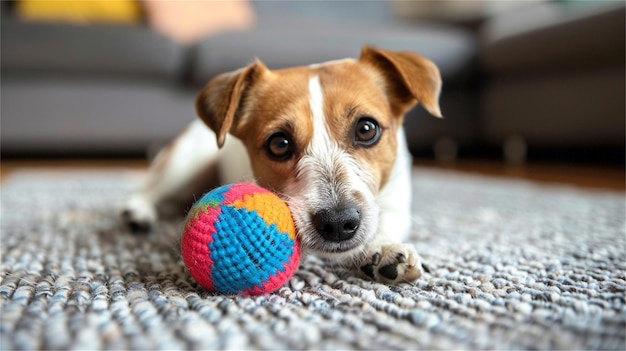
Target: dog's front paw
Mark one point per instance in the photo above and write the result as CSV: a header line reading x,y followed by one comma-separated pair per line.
x,y
393,264
138,214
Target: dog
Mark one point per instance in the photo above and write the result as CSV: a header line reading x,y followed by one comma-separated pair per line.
x,y
327,138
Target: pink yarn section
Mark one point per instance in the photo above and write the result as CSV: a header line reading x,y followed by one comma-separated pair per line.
x,y
195,243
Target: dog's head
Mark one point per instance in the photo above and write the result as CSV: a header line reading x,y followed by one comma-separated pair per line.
x,y
324,137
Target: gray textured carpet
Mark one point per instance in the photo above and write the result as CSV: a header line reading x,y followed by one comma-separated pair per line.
x,y
513,266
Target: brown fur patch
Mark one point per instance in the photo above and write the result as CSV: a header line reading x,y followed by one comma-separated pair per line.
x,y
353,91
280,103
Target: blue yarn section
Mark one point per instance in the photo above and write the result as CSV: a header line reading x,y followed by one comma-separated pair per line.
x,y
214,197
245,251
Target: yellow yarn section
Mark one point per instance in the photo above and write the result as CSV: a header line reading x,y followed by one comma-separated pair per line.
x,y
271,208
81,12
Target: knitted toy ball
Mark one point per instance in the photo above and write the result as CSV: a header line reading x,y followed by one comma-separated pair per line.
x,y
240,239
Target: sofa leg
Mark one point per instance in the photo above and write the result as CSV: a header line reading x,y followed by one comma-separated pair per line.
x,y
514,149
446,150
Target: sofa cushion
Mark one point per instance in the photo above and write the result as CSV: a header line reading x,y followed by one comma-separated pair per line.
x,y
77,117
63,49
371,11
188,21
547,35
582,109
85,12
286,43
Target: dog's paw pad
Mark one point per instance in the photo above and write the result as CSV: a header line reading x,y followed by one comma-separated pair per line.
x,y
393,264
389,271
368,269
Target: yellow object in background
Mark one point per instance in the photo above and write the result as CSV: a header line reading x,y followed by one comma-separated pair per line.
x,y
80,11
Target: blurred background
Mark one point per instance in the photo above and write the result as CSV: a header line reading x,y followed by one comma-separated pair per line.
x,y
524,81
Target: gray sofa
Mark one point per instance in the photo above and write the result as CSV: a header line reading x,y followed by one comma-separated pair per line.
x,y
555,79
547,77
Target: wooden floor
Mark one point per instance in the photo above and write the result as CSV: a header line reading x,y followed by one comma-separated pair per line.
x,y
584,176
596,177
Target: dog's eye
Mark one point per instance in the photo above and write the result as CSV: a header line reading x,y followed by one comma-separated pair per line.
x,y
279,146
366,132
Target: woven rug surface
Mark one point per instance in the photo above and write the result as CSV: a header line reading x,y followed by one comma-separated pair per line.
x,y
513,265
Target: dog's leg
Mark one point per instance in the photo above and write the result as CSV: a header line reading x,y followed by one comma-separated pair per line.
x,y
171,173
387,259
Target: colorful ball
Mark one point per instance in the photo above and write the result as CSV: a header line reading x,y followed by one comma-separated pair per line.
x,y
240,239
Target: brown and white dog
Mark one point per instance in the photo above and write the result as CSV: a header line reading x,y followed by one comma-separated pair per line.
x,y
327,138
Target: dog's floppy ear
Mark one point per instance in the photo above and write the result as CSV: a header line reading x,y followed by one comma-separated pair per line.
x,y
410,79
218,103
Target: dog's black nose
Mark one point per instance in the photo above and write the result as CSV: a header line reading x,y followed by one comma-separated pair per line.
x,y
337,224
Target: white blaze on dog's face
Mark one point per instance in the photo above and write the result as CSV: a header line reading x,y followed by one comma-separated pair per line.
x,y
324,137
